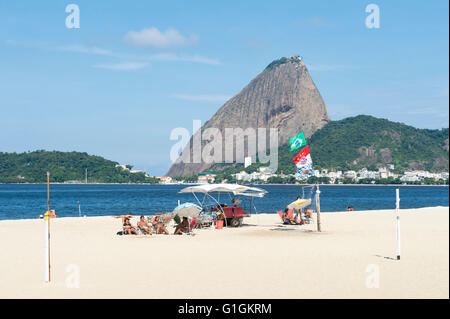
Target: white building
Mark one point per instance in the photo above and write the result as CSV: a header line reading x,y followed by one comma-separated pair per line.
x,y
410,177
247,161
242,176
206,179
383,172
364,173
164,179
350,174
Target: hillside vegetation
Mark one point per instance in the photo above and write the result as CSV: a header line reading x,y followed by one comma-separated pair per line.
x,y
31,167
281,61
365,141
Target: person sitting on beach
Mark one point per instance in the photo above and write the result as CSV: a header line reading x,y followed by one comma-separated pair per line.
x,y
235,202
51,214
308,215
182,227
298,217
128,228
159,226
143,226
288,220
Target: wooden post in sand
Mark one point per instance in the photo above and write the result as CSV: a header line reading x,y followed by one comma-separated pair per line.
x,y
47,233
318,208
397,210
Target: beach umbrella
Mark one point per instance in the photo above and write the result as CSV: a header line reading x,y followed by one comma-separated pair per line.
x,y
187,210
299,203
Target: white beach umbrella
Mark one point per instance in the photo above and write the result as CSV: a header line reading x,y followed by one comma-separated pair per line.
x,y
187,210
299,203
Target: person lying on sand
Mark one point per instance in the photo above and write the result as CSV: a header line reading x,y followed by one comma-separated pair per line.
x,y
128,228
143,226
182,227
127,215
159,226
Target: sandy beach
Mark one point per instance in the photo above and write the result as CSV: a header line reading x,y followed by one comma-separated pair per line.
x,y
353,257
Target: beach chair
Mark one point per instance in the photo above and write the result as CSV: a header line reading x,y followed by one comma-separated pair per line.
x,y
280,214
164,219
142,231
291,214
203,221
307,213
191,225
124,232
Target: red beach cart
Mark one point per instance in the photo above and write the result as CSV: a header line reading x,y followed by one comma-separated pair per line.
x,y
232,200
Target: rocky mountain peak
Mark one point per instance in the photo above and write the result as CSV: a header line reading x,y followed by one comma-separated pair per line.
x,y
283,96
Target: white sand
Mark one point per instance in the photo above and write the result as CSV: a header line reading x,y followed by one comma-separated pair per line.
x,y
259,260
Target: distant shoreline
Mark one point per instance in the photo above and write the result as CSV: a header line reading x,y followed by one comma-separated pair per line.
x,y
274,184
254,214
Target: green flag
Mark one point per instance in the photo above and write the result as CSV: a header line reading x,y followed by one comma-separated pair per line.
x,y
297,142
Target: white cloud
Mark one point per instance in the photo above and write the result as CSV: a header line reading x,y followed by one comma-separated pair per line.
x,y
183,58
125,66
85,49
203,97
167,56
152,37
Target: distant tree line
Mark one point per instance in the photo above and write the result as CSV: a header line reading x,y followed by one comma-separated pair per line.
x,y
31,167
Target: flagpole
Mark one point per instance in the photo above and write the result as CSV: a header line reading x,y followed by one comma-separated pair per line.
x,y
397,210
319,229
47,232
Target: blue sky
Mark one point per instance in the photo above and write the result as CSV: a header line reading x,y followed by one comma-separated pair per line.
x,y
135,70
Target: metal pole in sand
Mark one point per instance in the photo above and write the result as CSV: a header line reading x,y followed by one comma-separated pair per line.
x,y
318,208
47,233
397,210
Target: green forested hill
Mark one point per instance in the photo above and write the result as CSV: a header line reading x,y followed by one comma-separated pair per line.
x,y
63,166
366,141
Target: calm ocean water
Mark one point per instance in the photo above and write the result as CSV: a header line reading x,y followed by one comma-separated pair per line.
x,y
29,201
